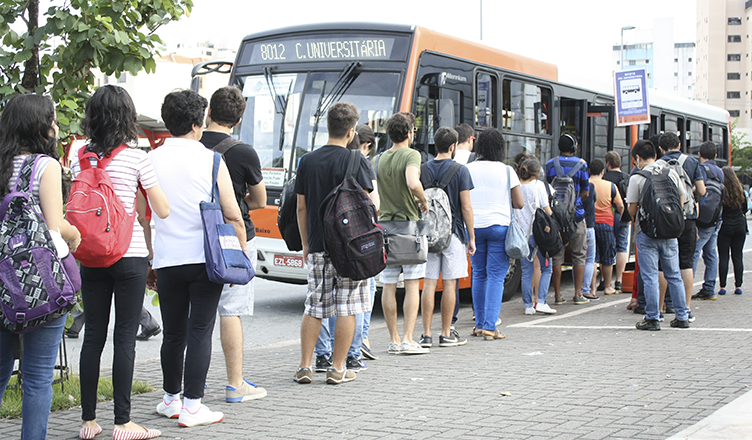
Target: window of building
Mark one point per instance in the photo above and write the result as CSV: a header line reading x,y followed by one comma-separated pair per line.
x,y
676,88
676,73
734,113
734,57
734,38
632,62
689,87
676,60
734,76
122,78
733,95
734,21
689,60
647,61
689,73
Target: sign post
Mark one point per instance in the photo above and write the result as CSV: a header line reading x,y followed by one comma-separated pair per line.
x,y
631,94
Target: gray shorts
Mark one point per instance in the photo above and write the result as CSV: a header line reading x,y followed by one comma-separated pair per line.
x,y
577,247
238,300
390,275
451,263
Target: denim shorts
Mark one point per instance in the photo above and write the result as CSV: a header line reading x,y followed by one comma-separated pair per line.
x,y
622,237
605,249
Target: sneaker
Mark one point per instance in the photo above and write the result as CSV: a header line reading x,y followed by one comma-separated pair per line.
x,y
722,291
323,363
202,416
580,300
617,286
334,377
70,334
601,287
367,352
560,300
455,333
679,324
530,310
246,391
303,375
452,341
170,410
544,308
649,325
355,364
670,310
146,334
661,318
498,322
394,348
704,295
640,310
690,317
426,341
413,348
737,291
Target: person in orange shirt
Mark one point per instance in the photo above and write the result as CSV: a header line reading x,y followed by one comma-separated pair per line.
x,y
608,198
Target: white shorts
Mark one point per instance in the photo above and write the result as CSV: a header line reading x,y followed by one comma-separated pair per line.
x,y
390,275
238,299
451,262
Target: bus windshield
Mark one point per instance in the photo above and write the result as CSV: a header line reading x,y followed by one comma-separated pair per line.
x,y
289,109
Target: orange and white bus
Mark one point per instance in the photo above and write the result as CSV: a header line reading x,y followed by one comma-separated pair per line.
x,y
291,76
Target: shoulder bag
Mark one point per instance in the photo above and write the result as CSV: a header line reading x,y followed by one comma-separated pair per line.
x,y
406,241
516,241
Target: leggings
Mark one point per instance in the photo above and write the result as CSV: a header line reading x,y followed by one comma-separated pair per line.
x,y
731,237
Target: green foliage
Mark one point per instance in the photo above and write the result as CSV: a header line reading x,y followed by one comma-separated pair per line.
x,y
741,153
64,395
78,36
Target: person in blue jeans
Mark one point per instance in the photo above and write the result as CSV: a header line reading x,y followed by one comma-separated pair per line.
x,y
365,346
588,203
492,201
535,196
325,344
653,250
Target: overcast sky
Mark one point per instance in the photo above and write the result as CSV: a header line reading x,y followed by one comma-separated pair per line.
x,y
577,35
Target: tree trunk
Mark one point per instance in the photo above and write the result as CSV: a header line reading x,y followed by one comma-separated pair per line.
x,y
31,68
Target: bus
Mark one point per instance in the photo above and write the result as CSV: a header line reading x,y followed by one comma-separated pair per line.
x,y
290,77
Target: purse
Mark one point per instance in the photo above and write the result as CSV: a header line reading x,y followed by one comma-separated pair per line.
x,y
516,241
226,263
405,241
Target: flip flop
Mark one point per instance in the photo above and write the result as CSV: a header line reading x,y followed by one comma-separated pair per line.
x,y
121,434
88,433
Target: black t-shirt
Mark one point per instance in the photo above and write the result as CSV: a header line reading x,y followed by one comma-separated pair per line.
x,y
245,169
460,182
588,204
616,177
319,172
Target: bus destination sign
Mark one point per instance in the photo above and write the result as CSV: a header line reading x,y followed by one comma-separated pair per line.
x,y
314,48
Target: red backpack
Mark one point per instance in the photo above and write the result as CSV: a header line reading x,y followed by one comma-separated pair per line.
x,y
98,213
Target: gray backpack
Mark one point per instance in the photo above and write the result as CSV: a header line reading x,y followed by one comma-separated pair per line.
x,y
687,185
439,210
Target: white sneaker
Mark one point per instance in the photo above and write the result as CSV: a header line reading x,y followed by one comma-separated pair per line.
x,y
171,410
394,348
544,308
530,310
498,322
202,416
413,348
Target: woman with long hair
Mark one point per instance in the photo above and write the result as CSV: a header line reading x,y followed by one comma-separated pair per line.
x,y
733,232
110,122
492,214
28,126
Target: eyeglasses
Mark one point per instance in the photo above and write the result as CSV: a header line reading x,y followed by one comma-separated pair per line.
x,y
415,129
356,133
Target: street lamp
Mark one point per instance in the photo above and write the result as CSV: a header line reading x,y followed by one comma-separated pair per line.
x,y
621,48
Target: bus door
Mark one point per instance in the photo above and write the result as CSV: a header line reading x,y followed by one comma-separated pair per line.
x,y
573,119
601,129
438,105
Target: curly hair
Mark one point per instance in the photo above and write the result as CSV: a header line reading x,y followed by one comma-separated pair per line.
x,y
734,191
25,127
399,125
227,106
110,121
490,145
182,109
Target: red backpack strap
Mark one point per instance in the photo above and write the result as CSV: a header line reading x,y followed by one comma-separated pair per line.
x,y
101,163
83,158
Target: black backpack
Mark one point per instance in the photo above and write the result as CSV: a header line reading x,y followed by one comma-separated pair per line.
x,y
287,217
353,241
661,214
564,222
712,203
546,232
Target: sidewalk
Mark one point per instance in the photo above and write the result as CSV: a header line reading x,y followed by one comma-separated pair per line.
x,y
583,373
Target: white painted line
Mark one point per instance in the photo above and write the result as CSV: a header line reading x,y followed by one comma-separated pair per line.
x,y
585,309
731,421
727,277
619,327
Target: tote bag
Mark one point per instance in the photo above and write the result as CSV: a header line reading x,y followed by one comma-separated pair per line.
x,y
516,241
226,263
406,242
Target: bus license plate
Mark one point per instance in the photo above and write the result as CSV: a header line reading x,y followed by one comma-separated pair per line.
x,y
288,260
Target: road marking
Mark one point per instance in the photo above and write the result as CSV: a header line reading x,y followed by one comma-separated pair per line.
x,y
631,327
727,277
570,314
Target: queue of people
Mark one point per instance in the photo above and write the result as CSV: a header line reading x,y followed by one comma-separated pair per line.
x,y
489,206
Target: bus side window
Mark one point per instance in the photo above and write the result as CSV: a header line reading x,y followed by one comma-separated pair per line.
x,y
485,102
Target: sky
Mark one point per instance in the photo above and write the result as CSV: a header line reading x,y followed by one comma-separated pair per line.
x,y
576,35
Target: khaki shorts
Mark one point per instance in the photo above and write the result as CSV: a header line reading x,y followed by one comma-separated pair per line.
x,y
577,247
451,262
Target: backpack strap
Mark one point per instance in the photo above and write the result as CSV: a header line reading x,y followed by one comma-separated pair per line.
x,y
449,175
560,171
424,175
224,146
557,166
710,173
354,164
576,168
215,171
101,163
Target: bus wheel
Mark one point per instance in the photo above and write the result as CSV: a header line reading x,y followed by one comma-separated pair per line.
x,y
512,280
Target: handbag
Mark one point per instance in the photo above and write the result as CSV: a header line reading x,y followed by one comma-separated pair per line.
x,y
516,241
406,241
226,263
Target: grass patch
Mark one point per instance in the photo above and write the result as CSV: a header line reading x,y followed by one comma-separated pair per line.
x,y
64,395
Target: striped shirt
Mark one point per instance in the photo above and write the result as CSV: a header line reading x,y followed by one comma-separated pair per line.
x,y
41,167
129,168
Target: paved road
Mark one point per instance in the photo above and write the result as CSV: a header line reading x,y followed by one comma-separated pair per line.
x,y
583,373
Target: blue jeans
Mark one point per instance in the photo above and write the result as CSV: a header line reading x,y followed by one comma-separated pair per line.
x,y
325,342
587,277
490,266
528,267
707,244
667,251
367,315
40,348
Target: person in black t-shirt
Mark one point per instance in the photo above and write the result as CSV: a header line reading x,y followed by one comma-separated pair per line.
x,y
225,112
621,222
319,172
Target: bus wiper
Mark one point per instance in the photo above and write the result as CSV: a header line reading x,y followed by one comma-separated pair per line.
x,y
280,104
345,80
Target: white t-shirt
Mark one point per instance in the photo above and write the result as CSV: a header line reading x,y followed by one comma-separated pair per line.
x,y
535,196
491,200
461,156
129,168
184,169
637,182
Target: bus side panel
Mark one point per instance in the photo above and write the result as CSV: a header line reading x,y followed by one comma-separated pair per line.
x,y
265,221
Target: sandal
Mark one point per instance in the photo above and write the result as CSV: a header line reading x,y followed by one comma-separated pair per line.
x,y
632,304
88,433
489,335
121,434
476,332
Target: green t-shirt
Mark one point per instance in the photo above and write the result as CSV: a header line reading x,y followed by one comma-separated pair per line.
x,y
393,191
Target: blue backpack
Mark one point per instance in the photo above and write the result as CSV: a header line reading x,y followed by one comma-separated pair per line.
x,y
36,286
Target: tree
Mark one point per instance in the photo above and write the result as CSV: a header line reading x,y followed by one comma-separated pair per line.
x,y
741,153
57,57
